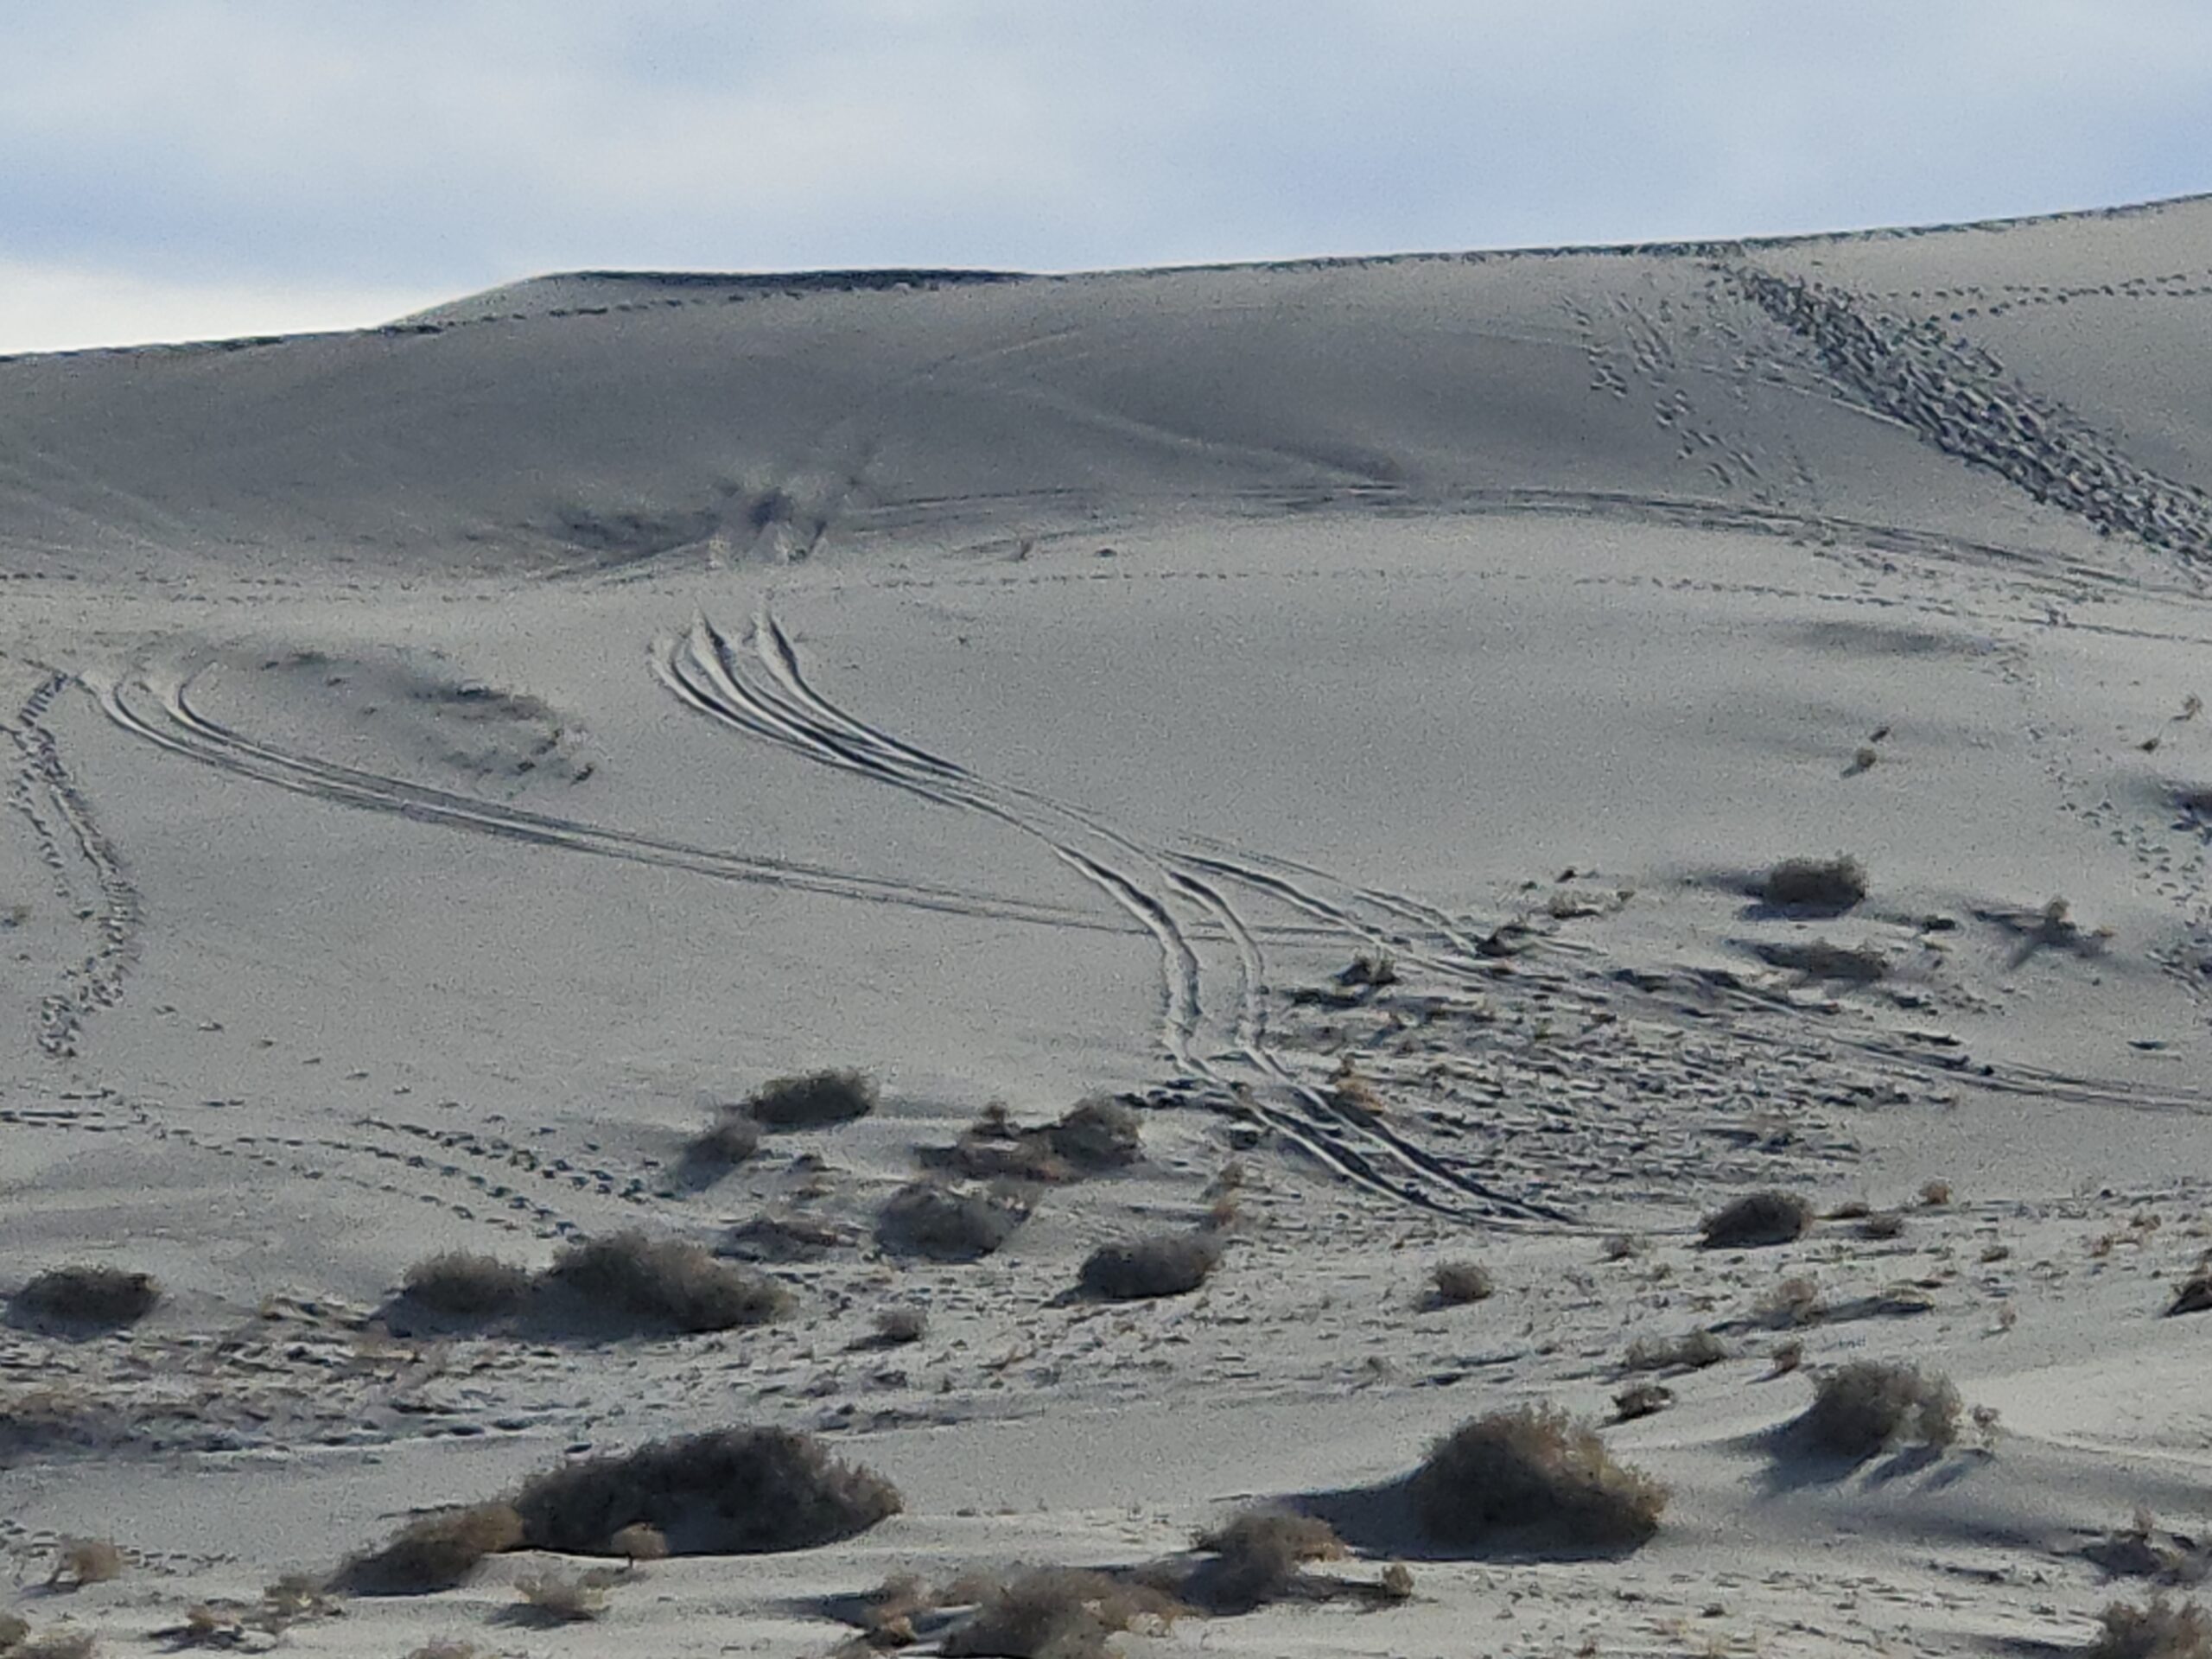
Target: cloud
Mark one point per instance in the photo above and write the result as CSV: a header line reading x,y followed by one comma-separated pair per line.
x,y
413,145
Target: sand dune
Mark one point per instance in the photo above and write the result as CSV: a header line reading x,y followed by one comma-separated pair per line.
x,y
1348,712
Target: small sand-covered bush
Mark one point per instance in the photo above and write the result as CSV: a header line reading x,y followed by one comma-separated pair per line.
x,y
1821,886
666,1281
1693,1351
1757,1219
1533,1470
1865,1407
81,1561
724,1144
566,1598
1641,1400
1454,1284
2161,1629
1098,1134
1095,1136
813,1101
737,1492
1057,1613
435,1552
467,1286
896,1326
61,1642
1166,1264
89,1296
946,1224
1260,1553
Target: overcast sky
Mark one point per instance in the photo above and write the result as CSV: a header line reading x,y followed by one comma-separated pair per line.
x,y
185,168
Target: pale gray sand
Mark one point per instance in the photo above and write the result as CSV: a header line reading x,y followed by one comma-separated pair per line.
x,y
444,760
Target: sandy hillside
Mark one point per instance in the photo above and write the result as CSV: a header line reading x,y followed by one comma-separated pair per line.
x,y
1340,723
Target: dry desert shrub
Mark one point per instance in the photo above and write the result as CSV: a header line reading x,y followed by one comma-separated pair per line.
x,y
724,1144
896,1326
1693,1351
1787,1357
783,1238
466,1285
1454,1284
1166,1264
639,1541
2193,1295
736,1492
89,1296
813,1101
434,1551
64,1642
445,1647
1641,1400
1097,1134
81,1561
1863,1408
1057,1612
1794,1300
945,1225
206,1627
1882,1224
2160,1630
1757,1219
1826,887
566,1598
1259,1554
1533,1470
13,1628
666,1281
886,1618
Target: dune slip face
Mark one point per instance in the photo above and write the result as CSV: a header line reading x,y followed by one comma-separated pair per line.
x,y
1259,958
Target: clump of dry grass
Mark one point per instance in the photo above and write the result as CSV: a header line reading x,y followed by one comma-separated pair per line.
x,y
735,1491
946,1224
1882,1224
1794,1300
1095,1135
2193,1293
1826,887
1862,1408
1533,1470
1164,1264
1787,1357
445,1647
724,1144
204,1626
1098,1134
100,1296
1259,1554
782,1237
1454,1284
466,1285
1057,1612
812,1101
434,1552
666,1281
896,1326
566,1598
1693,1351
62,1642
1641,1400
2160,1630
1757,1219
81,1561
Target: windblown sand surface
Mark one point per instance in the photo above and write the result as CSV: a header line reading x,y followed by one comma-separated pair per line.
x,y
446,762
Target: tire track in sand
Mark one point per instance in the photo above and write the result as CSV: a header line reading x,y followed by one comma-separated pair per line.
x,y
764,693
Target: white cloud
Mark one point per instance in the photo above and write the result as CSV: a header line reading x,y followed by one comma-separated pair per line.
x,y
438,145
52,308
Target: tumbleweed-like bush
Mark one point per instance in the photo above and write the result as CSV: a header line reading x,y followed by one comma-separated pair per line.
x,y
1534,1471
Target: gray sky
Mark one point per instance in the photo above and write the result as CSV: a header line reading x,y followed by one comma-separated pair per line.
x,y
183,169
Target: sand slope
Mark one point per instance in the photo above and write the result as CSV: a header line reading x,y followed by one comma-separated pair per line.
x,y
445,760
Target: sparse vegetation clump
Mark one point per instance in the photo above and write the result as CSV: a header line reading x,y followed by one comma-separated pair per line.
x,y
896,1326
566,1598
812,1101
1642,1399
1825,886
64,1642
1533,1470
1095,1136
1259,1554
81,1561
1166,1264
106,1297
1863,1408
736,1492
945,1225
466,1285
1693,1350
666,1281
1098,1134
1057,1613
1454,1284
724,1144
1757,1219
2160,1630
434,1551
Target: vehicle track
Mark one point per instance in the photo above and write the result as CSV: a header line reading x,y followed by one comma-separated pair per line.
x,y
764,693
160,711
